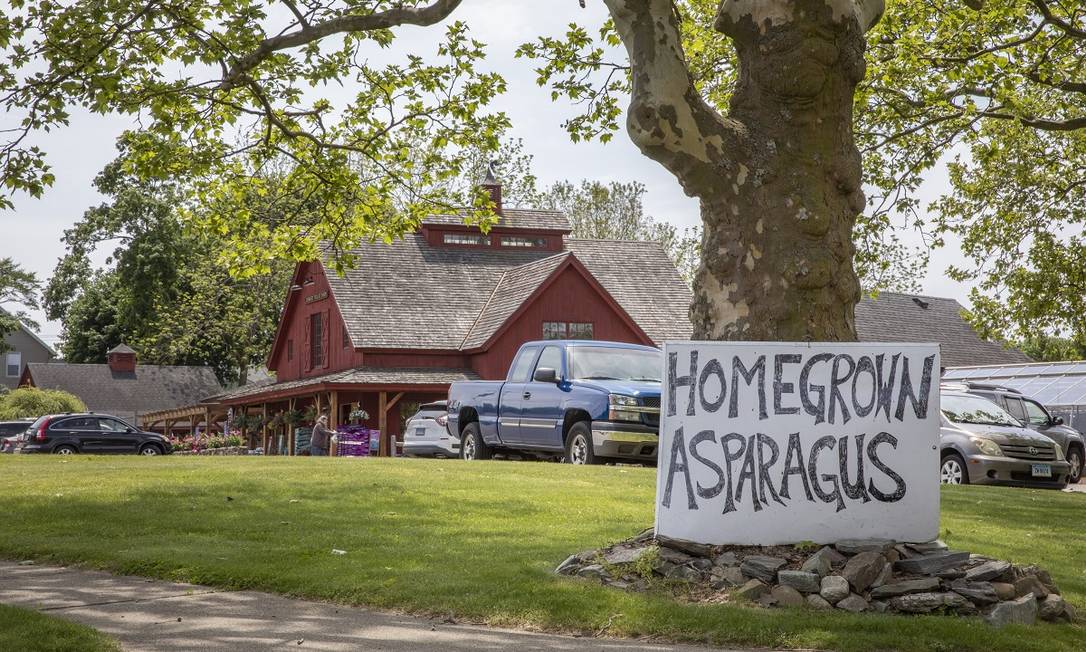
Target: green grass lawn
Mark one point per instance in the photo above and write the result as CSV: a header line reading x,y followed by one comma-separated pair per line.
x,y
478,541
30,631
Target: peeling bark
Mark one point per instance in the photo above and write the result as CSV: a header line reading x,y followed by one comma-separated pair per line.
x,y
778,179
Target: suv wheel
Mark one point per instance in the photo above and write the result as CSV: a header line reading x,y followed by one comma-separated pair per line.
x,y
65,450
1074,458
952,470
150,449
579,444
472,446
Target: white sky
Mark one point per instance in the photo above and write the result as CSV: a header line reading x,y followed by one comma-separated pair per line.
x,y
32,231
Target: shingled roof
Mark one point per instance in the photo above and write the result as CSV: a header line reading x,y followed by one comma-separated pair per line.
x,y
390,297
397,376
515,218
127,394
894,317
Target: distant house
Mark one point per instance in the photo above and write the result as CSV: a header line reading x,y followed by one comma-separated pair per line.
x,y
894,317
123,388
23,347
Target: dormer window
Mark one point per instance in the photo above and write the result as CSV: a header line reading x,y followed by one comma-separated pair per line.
x,y
465,239
518,241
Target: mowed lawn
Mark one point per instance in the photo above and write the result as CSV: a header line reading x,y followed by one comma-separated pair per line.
x,y
477,541
30,631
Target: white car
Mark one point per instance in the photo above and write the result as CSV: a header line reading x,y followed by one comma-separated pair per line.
x,y
425,434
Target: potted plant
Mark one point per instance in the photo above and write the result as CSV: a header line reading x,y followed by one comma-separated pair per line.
x,y
358,415
292,417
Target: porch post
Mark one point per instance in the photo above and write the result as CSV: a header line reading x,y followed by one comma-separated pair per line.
x,y
382,424
264,429
333,417
290,430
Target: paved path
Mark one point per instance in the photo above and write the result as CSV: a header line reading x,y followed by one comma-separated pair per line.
x,y
151,615
1080,487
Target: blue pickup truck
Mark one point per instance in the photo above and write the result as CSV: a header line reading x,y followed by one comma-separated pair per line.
x,y
588,401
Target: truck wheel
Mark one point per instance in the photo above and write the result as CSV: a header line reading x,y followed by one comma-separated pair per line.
x,y
1074,458
579,444
472,446
952,469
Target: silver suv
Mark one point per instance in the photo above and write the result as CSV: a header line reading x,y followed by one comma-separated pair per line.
x,y
1035,416
981,443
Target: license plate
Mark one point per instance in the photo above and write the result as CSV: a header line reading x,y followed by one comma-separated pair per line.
x,y
1042,470
420,432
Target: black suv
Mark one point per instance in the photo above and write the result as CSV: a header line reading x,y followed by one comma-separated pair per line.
x,y
1035,416
10,432
86,432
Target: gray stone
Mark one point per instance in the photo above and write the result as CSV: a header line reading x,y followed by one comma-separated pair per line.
x,y
1031,584
762,567
752,590
879,606
979,593
592,570
922,603
1004,590
885,576
1022,611
787,596
673,556
623,555
726,559
856,546
802,581
816,601
1054,608
953,574
702,564
688,547
931,563
663,567
645,536
727,577
861,570
989,570
853,603
569,566
822,561
834,588
930,546
684,574
905,587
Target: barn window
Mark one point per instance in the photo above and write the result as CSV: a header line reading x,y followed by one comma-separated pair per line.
x,y
580,331
14,364
554,330
516,241
316,327
465,239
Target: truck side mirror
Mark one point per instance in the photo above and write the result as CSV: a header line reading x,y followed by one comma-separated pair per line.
x,y
1057,420
545,375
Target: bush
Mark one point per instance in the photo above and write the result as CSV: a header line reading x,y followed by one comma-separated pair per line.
x,y
31,402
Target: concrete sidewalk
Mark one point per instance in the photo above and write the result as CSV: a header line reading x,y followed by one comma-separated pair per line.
x,y
151,615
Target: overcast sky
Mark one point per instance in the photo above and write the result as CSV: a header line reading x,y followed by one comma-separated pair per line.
x,y
33,230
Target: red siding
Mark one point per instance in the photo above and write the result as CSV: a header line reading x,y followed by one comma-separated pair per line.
x,y
570,298
435,235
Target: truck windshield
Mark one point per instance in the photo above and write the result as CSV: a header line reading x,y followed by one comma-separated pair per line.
x,y
973,409
610,363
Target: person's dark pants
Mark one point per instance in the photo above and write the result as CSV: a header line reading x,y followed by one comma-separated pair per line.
x,y
317,451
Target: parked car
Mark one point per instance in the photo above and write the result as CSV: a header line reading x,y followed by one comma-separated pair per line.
x,y
981,443
1034,415
86,432
590,401
426,435
10,432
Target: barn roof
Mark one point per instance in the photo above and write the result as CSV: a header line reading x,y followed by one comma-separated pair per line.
x,y
514,218
411,295
126,394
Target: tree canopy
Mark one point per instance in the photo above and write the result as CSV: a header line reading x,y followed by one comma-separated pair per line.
x,y
31,402
18,292
227,91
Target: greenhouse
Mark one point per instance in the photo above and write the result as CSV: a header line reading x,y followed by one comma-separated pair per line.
x,y
1059,386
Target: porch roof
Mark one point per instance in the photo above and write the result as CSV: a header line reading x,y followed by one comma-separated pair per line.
x,y
362,377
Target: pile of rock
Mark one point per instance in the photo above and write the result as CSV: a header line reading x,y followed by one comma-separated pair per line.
x,y
856,576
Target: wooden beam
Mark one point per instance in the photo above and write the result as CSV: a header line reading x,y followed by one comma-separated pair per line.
x,y
290,430
382,424
264,429
333,418
394,401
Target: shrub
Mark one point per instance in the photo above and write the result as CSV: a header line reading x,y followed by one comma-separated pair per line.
x,y
31,402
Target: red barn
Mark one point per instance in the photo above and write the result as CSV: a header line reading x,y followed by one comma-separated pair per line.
x,y
448,303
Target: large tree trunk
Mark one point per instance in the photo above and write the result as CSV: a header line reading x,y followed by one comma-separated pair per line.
x,y
779,177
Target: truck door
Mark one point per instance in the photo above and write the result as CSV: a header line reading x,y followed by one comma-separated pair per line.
x,y
541,407
512,395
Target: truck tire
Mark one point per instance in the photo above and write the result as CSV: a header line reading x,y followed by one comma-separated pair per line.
x,y
472,446
579,444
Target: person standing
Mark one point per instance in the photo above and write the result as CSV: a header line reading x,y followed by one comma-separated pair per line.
x,y
321,439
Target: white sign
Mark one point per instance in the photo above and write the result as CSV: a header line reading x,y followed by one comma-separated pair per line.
x,y
771,443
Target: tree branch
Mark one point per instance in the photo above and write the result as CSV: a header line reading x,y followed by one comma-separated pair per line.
x,y
308,33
